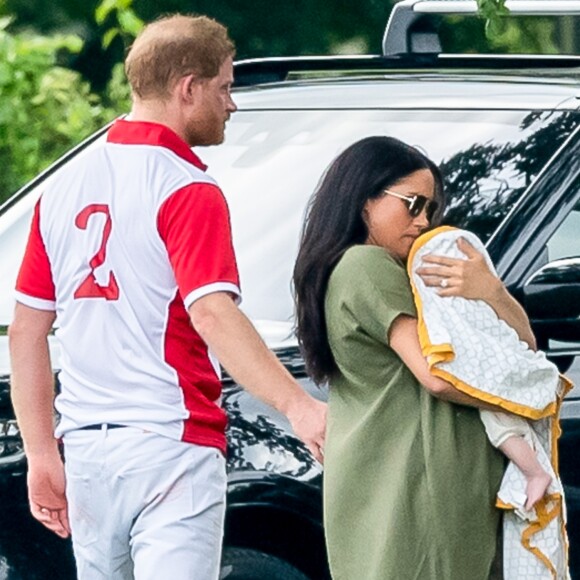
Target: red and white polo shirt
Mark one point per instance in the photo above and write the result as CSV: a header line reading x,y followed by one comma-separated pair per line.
x,y
123,241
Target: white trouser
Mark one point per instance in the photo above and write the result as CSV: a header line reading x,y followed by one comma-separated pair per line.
x,y
501,426
144,506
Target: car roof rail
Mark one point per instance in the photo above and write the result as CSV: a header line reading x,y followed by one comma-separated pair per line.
x,y
260,71
277,69
407,30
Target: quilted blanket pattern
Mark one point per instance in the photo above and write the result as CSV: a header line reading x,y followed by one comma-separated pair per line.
x,y
466,344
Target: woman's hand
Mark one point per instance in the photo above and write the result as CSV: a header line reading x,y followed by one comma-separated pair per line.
x,y
472,279
469,278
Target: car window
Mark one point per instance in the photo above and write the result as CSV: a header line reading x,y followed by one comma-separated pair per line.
x,y
272,160
565,242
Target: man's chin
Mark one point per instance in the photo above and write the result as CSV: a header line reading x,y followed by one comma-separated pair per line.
x,y
208,141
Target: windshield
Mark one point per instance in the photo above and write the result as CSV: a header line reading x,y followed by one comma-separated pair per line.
x,y
272,160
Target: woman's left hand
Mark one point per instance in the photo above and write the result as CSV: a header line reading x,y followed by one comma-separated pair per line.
x,y
469,278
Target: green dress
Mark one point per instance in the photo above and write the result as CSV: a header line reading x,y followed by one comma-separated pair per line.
x,y
409,480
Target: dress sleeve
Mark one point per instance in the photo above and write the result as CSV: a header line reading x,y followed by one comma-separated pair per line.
x,y
194,223
376,290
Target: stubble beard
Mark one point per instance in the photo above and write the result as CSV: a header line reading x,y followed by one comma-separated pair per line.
x,y
206,134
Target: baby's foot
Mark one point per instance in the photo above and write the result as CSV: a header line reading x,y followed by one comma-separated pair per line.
x,y
536,488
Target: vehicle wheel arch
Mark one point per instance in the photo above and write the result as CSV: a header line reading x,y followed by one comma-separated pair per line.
x,y
264,513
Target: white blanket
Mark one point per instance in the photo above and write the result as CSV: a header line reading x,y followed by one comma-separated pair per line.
x,y
466,344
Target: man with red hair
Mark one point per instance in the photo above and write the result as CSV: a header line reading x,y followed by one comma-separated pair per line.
x,y
130,253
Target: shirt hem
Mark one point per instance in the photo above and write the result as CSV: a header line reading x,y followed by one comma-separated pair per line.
x,y
34,302
217,442
210,289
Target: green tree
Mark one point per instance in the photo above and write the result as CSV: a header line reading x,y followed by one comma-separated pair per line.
x,y
492,11
45,108
60,60
259,28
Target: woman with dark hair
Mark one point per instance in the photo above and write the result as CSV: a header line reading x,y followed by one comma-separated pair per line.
x,y
410,478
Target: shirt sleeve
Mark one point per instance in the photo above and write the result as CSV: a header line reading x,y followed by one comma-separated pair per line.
x,y
194,223
35,285
376,291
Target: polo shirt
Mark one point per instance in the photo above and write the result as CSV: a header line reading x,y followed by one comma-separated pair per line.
x,y
123,241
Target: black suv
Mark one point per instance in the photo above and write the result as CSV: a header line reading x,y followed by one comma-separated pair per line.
x,y
506,133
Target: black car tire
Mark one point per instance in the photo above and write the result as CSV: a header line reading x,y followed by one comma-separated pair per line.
x,y
245,564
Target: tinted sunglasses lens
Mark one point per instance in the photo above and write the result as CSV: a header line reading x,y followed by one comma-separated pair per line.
x,y
420,203
416,205
432,209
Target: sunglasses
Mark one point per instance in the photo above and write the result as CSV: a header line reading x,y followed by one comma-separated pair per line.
x,y
417,203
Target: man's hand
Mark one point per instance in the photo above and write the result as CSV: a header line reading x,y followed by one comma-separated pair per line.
x,y
234,341
308,420
32,392
46,494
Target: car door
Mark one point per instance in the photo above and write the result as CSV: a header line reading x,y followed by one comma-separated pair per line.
x,y
539,259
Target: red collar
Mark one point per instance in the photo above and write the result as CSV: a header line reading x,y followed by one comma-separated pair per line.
x,y
146,133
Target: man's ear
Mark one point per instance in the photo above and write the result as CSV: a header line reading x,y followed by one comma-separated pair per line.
x,y
188,88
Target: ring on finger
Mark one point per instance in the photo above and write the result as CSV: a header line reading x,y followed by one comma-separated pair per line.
x,y
444,283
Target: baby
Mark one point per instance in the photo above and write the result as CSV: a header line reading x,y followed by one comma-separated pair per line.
x,y
511,435
468,345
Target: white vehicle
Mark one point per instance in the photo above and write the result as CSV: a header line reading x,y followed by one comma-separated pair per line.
x,y
506,132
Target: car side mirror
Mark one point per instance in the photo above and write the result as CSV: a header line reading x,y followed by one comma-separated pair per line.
x,y
552,299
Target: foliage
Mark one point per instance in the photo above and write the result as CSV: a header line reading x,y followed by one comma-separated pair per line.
x,y
127,23
300,27
524,35
492,11
528,35
64,80
493,176
45,108
258,27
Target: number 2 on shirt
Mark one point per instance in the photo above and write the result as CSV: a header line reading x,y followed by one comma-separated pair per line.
x,y
90,288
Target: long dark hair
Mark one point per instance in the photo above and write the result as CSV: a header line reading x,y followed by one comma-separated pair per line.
x,y
334,223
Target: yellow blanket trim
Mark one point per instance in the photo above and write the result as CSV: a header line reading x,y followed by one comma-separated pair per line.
x,y
436,354
545,516
515,408
567,386
542,504
426,237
